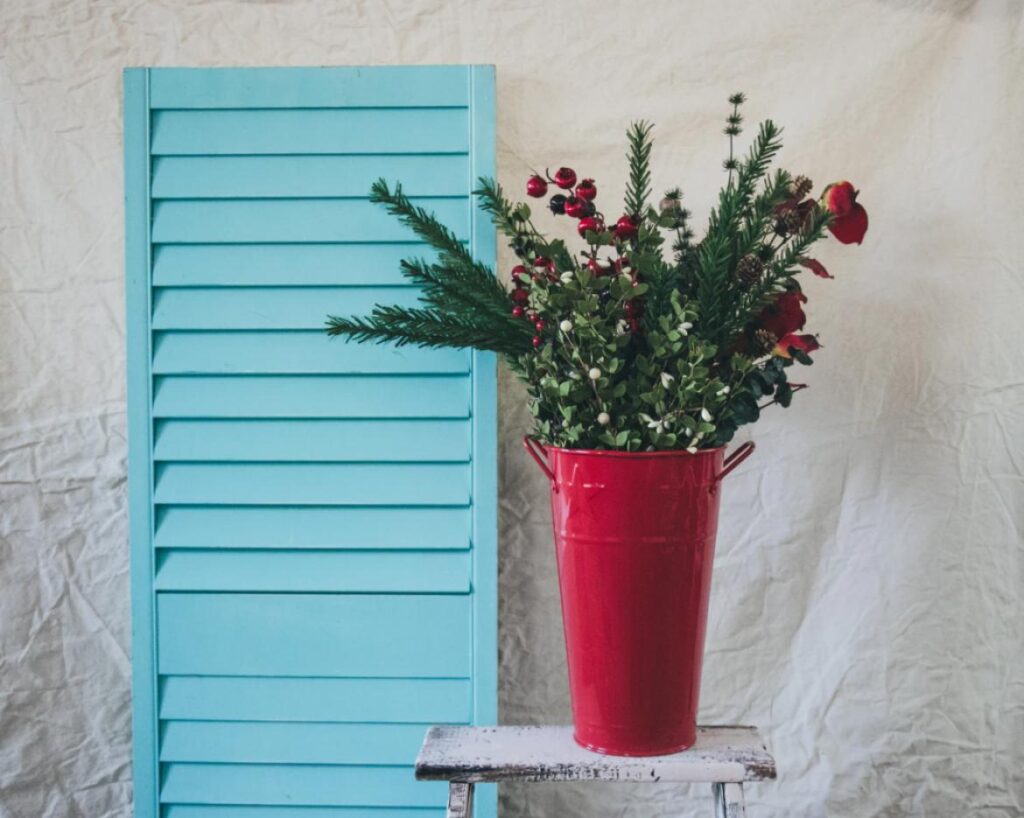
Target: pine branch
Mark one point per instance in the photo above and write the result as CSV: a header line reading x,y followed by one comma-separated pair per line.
x,y
425,327
455,286
501,210
716,257
464,304
639,187
782,267
423,223
759,218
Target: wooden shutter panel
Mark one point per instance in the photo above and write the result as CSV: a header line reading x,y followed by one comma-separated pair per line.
x,y
312,521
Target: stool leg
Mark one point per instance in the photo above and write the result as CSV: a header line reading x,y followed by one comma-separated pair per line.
x,y
729,801
460,800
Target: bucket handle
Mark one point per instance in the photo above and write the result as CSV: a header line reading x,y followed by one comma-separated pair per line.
x,y
735,458
536,451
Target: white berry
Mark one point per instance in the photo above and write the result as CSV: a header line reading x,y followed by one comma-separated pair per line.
x,y
594,373
604,418
566,326
706,415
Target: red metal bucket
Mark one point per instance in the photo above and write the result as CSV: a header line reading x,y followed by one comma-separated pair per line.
x,y
635,540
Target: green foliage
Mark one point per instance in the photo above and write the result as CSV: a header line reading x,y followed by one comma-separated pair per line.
x,y
619,346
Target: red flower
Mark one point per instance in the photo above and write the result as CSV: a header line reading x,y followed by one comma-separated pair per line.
x,y
815,267
850,221
785,316
803,343
850,229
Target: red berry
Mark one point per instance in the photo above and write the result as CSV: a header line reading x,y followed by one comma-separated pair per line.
x,y
544,262
592,223
595,267
565,178
517,312
537,341
625,228
520,296
586,189
536,186
577,208
539,325
519,272
634,308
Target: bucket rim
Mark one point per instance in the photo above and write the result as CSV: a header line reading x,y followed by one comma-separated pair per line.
x,y
635,455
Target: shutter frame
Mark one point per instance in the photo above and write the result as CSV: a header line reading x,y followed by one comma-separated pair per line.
x,y
170,264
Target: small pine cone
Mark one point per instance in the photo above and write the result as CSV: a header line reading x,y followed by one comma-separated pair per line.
x,y
764,340
749,269
800,187
794,220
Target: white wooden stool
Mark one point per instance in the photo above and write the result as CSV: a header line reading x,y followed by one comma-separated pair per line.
x,y
724,757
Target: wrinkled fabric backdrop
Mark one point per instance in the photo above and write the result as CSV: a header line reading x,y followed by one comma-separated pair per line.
x,y
867,605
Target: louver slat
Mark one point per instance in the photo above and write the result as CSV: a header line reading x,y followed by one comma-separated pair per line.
x,y
312,785
314,570
312,441
416,131
177,265
328,700
226,221
208,634
305,176
299,352
331,527
289,743
315,396
257,308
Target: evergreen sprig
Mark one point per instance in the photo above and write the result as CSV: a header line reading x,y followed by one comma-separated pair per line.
x,y
638,189
458,292
781,269
718,254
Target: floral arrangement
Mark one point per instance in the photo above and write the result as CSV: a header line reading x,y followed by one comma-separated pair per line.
x,y
646,339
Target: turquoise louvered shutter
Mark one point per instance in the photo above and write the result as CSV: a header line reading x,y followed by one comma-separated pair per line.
x,y
312,521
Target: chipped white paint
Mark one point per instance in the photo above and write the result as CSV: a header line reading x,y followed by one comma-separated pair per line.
x,y
475,754
723,756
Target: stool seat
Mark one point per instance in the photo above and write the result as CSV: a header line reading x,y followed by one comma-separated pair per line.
x,y
722,756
